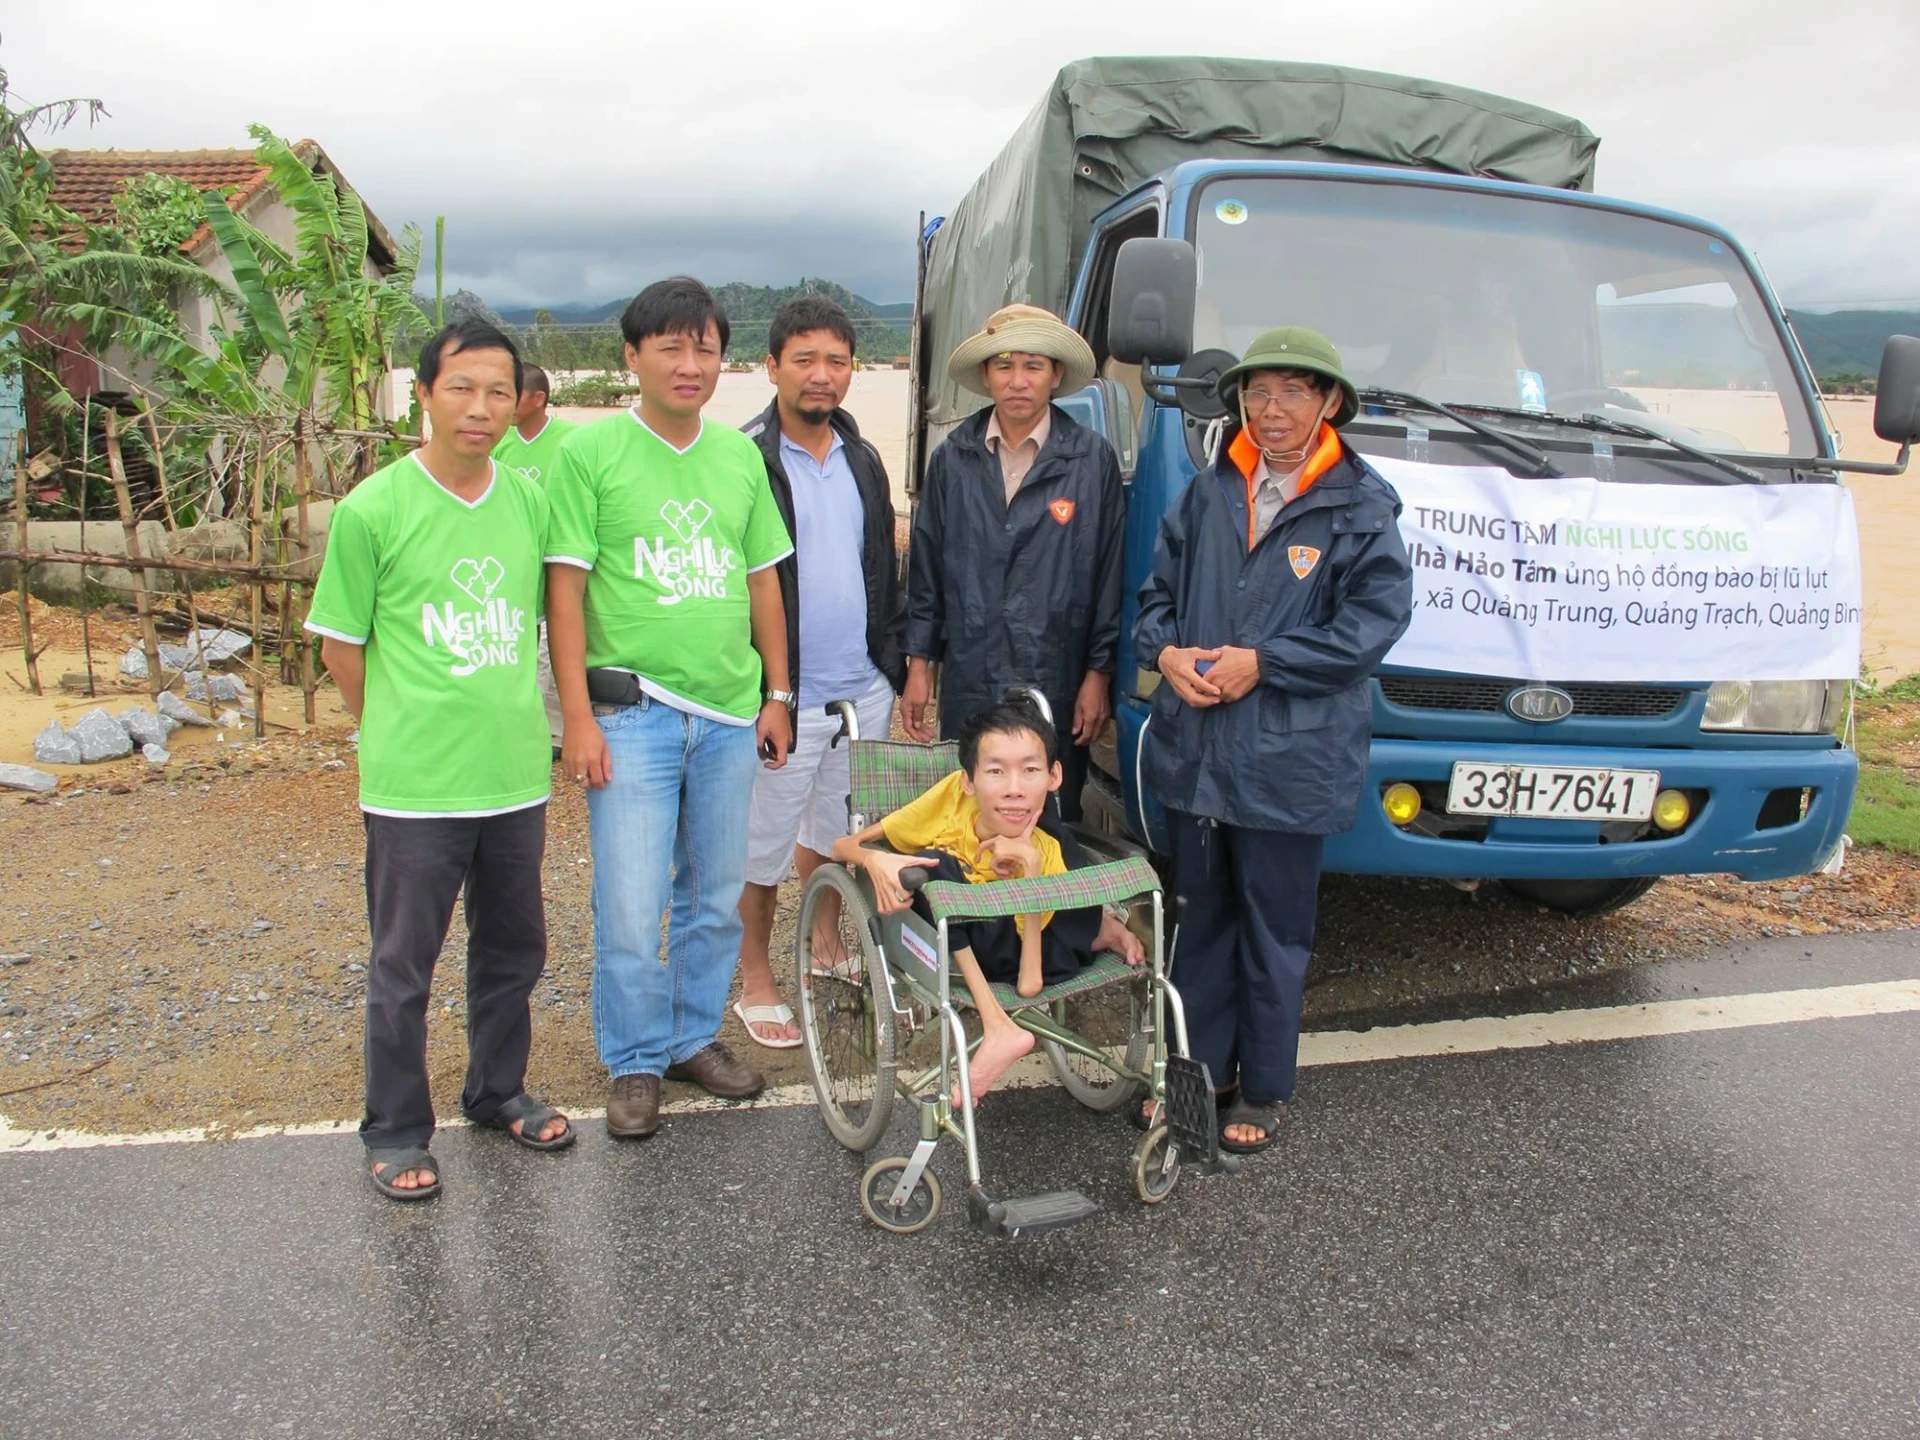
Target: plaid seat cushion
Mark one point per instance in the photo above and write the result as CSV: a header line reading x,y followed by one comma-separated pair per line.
x,y
1109,884
1105,969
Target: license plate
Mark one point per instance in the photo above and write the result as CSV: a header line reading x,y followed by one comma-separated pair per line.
x,y
1549,792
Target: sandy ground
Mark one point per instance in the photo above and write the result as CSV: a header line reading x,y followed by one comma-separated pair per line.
x,y
113,630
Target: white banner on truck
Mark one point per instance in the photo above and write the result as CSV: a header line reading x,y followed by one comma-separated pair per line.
x,y
1580,579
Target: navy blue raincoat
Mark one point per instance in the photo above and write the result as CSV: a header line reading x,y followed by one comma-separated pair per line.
x,y
1020,594
1321,597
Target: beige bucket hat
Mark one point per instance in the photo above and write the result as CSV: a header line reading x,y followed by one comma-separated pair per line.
x,y
1025,329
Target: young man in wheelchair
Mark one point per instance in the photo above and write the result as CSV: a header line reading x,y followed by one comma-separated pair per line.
x,y
988,821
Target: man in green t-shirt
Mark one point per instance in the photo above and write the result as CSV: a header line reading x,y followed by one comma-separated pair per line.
x,y
531,446
532,442
670,652
425,607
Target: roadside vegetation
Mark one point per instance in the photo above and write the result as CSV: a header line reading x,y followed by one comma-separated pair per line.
x,y
1886,807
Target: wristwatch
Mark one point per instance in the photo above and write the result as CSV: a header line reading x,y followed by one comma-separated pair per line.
x,y
785,697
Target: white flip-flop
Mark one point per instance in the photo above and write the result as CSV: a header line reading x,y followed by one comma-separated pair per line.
x,y
752,1015
849,970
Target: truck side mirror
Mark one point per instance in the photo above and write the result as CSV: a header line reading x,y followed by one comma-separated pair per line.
x,y
1896,401
1194,387
1150,316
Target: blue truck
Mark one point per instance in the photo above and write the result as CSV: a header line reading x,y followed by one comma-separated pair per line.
x,y
1492,311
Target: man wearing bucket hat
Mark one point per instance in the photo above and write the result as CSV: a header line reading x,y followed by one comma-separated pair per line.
x,y
1014,571
1279,582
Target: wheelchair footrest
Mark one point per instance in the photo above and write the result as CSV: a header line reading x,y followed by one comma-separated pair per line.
x,y
1193,1120
1027,1214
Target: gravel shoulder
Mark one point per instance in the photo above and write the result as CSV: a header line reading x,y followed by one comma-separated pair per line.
x,y
195,943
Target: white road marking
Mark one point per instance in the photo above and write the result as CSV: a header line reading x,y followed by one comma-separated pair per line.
x,y
1613,1022
1326,1047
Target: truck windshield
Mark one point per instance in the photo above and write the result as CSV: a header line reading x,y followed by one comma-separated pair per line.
x,y
1504,300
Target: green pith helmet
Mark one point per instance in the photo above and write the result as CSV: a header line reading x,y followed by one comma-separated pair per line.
x,y
1292,347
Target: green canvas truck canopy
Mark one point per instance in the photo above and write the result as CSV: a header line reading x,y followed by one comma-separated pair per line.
x,y
1105,125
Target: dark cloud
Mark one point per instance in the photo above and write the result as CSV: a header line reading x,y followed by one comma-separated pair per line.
x,y
521,260
580,150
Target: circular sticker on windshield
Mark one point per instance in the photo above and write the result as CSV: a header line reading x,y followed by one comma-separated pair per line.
x,y
1231,212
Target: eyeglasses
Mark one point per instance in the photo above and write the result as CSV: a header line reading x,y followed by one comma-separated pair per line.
x,y
1287,397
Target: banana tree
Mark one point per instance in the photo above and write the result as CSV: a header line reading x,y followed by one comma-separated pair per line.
x,y
313,327
63,283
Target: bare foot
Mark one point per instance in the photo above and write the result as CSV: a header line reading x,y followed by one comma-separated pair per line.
x,y
1028,986
1000,1048
827,947
827,954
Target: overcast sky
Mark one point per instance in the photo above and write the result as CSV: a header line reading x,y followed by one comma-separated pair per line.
x,y
579,150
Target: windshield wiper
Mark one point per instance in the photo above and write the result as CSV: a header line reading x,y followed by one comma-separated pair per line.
x,y
1591,421
1539,467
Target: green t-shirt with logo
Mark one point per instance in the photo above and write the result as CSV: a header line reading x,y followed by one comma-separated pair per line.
x,y
669,538
534,458
444,595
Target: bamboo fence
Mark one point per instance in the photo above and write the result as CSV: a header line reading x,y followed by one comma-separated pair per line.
x,y
260,477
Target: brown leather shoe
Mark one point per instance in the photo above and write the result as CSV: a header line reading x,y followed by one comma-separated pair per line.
x,y
633,1107
715,1071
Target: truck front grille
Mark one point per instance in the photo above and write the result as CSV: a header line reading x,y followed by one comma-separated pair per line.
x,y
1488,697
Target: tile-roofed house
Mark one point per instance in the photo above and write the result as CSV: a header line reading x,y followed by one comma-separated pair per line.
x,y
85,181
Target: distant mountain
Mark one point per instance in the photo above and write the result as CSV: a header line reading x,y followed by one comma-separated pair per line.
x,y
1849,342
460,305
901,311
743,303
880,330
568,314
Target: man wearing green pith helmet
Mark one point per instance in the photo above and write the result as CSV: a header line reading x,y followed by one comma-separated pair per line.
x,y
1279,582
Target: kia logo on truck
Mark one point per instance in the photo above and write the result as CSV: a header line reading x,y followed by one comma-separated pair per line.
x,y
1540,704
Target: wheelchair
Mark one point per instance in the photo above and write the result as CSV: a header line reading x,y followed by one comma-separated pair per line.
x,y
882,1012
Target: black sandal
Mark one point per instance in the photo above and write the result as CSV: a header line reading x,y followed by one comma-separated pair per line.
x,y
533,1118
397,1163
1254,1114
1143,1116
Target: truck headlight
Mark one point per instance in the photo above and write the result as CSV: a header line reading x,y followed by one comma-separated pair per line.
x,y
1775,707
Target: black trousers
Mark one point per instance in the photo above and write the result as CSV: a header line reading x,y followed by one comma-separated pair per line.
x,y
416,868
1065,945
1247,900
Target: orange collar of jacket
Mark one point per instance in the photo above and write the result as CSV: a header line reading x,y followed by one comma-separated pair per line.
x,y
1246,459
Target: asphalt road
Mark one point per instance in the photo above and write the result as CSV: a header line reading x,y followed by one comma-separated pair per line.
x,y
1706,1234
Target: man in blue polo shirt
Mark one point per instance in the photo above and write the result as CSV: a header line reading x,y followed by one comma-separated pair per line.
x,y
845,620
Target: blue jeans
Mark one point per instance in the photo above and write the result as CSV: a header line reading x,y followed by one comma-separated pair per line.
x,y
672,824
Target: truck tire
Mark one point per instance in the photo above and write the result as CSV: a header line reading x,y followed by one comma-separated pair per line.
x,y
1580,898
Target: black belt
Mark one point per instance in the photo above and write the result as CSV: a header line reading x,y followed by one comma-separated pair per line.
x,y
612,687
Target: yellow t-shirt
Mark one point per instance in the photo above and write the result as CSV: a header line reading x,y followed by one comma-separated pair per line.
x,y
947,818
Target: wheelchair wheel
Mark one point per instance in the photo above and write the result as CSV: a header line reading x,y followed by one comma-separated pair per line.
x,y
1155,1172
1114,1018
844,1016
876,1192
